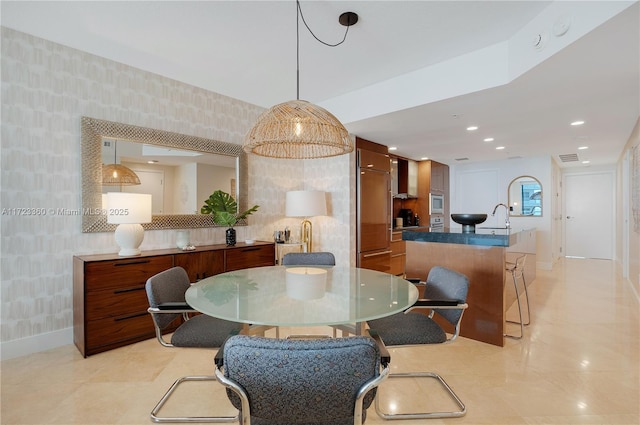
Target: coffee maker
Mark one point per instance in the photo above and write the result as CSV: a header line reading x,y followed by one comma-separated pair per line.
x,y
407,217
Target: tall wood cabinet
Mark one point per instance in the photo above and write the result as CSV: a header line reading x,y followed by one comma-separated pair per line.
x,y
433,177
109,299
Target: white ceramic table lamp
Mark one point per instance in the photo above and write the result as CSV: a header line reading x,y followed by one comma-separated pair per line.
x,y
128,211
306,203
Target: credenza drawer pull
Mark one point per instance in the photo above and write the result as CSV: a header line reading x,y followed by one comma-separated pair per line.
x,y
129,263
130,316
135,288
377,253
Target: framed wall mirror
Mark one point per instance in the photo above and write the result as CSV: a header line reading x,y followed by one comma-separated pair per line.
x,y
187,168
525,197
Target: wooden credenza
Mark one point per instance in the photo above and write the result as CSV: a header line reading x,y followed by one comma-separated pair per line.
x,y
109,299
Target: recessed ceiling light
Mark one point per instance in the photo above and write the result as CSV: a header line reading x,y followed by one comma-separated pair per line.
x,y
472,128
424,158
489,139
499,148
577,123
152,161
393,148
581,148
586,162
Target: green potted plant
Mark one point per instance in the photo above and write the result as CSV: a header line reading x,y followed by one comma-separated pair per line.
x,y
224,211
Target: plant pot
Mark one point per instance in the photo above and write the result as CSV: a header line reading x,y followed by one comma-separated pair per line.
x,y
231,236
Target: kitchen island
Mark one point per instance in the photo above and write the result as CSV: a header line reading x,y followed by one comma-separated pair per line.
x,y
481,256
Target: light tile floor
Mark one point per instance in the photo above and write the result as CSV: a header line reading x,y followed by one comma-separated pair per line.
x,y
577,364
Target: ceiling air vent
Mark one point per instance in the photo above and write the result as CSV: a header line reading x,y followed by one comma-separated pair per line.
x,y
462,159
569,157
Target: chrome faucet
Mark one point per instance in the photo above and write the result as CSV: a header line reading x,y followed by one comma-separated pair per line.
x,y
506,218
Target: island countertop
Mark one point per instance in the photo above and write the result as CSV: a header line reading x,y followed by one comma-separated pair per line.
x,y
483,236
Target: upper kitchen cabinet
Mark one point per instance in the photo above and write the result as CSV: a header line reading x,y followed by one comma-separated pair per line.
x,y
439,178
433,179
404,175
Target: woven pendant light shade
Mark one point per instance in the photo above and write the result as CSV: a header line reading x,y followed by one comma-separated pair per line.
x,y
297,129
118,175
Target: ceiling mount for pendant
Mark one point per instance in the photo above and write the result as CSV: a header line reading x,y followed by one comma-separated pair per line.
x,y
298,129
348,19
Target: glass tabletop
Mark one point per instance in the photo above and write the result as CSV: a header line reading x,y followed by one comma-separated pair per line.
x,y
301,296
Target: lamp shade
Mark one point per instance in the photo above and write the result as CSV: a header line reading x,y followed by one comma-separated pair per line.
x,y
128,208
297,129
306,203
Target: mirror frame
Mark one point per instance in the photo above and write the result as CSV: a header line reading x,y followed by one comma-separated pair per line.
x,y
510,200
94,130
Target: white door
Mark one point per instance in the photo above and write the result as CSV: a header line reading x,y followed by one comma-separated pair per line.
x,y
589,215
151,182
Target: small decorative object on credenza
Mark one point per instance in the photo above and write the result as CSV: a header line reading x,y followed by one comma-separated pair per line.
x,y
224,211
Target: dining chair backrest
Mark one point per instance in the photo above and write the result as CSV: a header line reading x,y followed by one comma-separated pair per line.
x,y
447,284
315,381
309,259
168,286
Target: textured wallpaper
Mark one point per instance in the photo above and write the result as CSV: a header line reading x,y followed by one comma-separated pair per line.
x,y
46,89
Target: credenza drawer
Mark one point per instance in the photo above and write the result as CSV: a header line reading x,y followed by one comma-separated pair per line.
x,y
251,256
124,273
114,330
116,302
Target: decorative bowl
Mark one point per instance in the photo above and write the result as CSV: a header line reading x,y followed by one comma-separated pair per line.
x,y
249,241
469,221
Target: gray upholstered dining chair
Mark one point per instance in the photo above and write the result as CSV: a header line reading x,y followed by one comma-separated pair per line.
x,y
167,304
445,295
319,381
309,259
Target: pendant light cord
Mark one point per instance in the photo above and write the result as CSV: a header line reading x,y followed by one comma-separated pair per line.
x,y
298,16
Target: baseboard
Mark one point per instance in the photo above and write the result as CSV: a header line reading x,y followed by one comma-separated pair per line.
x,y
34,344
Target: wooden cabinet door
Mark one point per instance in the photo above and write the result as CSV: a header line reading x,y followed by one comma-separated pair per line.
x,y
200,265
437,177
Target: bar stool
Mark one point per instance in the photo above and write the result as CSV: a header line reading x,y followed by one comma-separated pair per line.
x,y
517,271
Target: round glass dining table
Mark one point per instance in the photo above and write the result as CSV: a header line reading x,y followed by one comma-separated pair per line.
x,y
302,295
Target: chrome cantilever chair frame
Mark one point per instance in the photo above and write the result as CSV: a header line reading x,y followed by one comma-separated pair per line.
x,y
158,309
517,271
434,306
191,378
439,378
245,414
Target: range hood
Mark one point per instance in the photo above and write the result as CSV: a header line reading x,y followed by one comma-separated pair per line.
x,y
404,178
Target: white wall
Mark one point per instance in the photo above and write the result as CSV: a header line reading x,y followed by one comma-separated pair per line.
x,y
46,89
479,187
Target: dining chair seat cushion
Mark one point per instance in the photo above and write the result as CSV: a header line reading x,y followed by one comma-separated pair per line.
x,y
204,331
408,329
310,382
